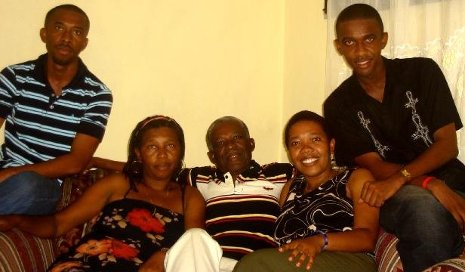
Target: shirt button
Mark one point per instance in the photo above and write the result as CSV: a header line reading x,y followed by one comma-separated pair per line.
x,y
51,107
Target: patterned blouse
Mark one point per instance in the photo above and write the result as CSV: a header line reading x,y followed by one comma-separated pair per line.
x,y
325,209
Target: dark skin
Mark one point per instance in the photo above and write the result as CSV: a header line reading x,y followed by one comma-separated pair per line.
x,y
65,36
309,150
232,148
160,155
360,42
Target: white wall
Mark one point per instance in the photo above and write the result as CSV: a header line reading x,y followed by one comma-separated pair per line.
x,y
194,60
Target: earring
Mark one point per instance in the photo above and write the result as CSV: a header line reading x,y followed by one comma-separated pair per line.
x,y
135,167
333,161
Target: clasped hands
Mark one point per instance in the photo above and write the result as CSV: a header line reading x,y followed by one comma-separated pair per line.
x,y
375,193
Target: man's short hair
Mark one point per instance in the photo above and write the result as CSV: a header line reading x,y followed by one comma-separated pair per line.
x,y
67,7
222,120
359,11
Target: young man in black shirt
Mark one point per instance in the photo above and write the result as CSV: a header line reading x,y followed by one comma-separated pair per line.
x,y
397,118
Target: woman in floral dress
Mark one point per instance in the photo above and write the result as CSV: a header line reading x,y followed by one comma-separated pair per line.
x,y
141,212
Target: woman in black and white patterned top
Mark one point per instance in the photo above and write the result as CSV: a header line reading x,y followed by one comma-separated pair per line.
x,y
323,226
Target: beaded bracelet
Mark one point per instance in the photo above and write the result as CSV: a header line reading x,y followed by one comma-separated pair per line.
x,y
325,240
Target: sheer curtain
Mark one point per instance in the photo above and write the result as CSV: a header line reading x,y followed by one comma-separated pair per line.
x,y
426,28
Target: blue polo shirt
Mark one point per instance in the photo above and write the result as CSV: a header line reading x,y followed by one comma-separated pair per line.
x,y
39,125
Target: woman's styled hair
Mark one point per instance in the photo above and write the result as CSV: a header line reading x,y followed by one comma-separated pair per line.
x,y
306,115
133,168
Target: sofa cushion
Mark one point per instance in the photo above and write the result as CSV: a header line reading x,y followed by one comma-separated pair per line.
x,y
452,265
74,187
20,251
386,255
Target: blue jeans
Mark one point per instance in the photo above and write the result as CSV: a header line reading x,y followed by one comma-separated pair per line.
x,y
427,232
29,193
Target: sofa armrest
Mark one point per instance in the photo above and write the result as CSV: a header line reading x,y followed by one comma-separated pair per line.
x,y
388,259
23,252
20,251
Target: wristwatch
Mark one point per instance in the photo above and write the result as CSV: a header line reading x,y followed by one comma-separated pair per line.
x,y
406,174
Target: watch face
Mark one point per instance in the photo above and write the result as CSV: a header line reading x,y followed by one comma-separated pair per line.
x,y
405,173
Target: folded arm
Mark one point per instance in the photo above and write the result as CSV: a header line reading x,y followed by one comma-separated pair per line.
x,y
80,211
389,176
76,161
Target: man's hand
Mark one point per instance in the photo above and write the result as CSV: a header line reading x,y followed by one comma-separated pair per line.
x,y
452,201
303,249
375,193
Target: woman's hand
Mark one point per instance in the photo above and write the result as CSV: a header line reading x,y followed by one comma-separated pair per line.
x,y
304,249
155,263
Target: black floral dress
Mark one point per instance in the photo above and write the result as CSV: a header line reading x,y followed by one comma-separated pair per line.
x,y
126,234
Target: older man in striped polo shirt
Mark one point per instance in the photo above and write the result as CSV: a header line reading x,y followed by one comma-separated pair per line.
x,y
54,111
241,195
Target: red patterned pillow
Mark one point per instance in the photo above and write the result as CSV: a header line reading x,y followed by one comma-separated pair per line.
x,y
73,188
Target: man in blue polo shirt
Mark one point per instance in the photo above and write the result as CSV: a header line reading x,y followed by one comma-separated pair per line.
x,y
54,111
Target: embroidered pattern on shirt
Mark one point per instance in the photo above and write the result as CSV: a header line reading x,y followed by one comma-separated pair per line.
x,y
365,122
422,132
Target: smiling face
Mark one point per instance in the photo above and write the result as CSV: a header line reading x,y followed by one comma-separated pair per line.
x,y
231,147
309,149
65,35
360,41
160,152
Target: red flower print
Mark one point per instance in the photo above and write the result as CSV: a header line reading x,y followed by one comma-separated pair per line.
x,y
122,250
144,220
65,266
94,247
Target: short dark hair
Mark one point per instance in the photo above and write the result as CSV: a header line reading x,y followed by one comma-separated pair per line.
x,y
306,115
133,169
359,11
219,121
67,7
